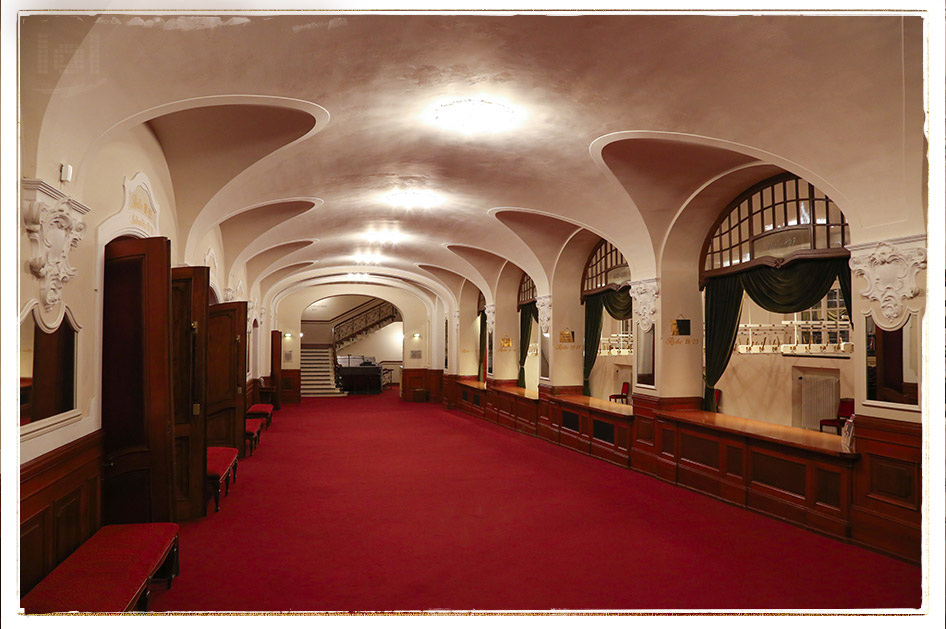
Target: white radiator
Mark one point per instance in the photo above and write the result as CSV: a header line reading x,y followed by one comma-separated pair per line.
x,y
820,396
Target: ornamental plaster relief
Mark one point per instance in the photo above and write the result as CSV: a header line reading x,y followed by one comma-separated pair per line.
x,y
645,293
490,311
544,305
54,225
890,272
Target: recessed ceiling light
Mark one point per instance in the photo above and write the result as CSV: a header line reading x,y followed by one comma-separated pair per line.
x,y
367,258
476,115
413,199
384,236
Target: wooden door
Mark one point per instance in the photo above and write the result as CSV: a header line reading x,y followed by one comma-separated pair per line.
x,y
226,375
275,366
189,288
137,483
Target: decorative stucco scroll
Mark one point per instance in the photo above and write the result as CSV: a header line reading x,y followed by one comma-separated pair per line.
x,y
228,294
645,293
890,272
54,226
544,305
490,311
456,321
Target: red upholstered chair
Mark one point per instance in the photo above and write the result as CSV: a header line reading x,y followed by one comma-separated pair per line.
x,y
622,396
845,410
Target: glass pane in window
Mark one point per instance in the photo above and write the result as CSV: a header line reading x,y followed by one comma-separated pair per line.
x,y
821,236
834,214
835,239
778,244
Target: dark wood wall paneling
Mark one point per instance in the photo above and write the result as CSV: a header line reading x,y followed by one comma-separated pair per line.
x,y
653,441
252,392
472,396
290,390
450,391
887,493
60,505
549,424
491,412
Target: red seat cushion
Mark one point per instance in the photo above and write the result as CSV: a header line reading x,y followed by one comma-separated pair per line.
x,y
253,426
219,460
106,573
261,409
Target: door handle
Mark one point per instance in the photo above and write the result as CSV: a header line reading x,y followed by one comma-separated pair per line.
x,y
109,464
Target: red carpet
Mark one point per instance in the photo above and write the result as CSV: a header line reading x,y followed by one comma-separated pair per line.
x,y
368,503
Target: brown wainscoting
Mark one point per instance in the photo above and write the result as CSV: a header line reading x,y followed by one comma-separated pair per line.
x,y
60,505
596,427
653,440
434,385
784,472
450,391
252,392
291,386
491,413
415,380
472,396
549,424
887,494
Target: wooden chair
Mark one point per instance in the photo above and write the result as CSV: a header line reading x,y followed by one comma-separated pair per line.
x,y
622,396
845,410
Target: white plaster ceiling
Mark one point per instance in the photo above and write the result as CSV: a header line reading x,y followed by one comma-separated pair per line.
x,y
288,128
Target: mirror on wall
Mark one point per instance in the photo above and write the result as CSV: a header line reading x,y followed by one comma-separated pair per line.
x,y
47,370
644,348
893,362
544,355
446,344
489,353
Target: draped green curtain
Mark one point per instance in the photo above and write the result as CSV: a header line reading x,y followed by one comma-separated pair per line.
x,y
618,303
791,288
795,287
594,313
480,375
723,305
527,312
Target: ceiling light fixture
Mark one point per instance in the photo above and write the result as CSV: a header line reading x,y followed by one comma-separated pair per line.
x,y
476,115
413,199
359,277
384,237
367,258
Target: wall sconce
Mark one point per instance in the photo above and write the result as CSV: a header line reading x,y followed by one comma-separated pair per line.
x,y
301,335
416,335
288,335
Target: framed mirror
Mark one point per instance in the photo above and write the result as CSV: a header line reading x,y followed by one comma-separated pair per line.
x,y
893,362
489,353
544,349
644,348
47,370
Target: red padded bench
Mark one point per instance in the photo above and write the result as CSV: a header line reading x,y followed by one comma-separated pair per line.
x,y
221,465
111,572
253,429
261,411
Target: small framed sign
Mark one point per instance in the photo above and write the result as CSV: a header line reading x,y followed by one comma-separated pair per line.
x,y
417,354
566,336
680,327
505,342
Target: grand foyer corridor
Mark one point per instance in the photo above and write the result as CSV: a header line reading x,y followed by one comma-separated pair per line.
x,y
369,503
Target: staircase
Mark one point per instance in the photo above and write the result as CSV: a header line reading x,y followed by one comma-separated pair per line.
x,y
365,323
318,373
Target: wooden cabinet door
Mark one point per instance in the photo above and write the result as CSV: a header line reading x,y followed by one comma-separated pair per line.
x,y
189,288
137,483
275,366
226,375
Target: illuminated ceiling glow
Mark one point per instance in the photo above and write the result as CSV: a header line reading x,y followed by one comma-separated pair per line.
x,y
471,116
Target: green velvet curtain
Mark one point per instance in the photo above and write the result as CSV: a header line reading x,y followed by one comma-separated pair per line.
x,y
527,312
480,373
594,313
722,305
795,287
619,303
792,288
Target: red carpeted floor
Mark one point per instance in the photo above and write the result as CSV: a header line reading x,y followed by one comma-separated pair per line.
x,y
368,503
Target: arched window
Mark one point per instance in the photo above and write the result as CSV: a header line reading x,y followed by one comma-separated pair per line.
x,y
782,243
606,269
775,221
604,288
528,312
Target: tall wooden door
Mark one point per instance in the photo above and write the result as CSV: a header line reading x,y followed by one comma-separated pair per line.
x,y
137,483
189,288
275,366
226,375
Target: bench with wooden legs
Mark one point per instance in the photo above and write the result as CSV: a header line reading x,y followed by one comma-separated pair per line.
x,y
221,466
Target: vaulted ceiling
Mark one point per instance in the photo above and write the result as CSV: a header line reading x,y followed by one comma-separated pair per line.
x,y
288,132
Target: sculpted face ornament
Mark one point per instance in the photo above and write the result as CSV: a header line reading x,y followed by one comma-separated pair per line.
x,y
890,274
53,231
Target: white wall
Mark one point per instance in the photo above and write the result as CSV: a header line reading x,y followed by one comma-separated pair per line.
x,y
385,345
